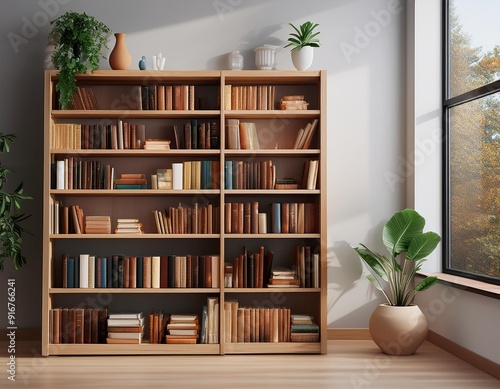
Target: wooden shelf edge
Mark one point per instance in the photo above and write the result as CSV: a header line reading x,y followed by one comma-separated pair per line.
x,y
271,290
134,349
134,236
272,348
134,290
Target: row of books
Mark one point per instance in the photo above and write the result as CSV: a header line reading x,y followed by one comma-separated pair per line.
x,y
249,97
66,219
188,175
305,135
249,269
168,97
255,270
121,271
76,173
294,218
198,135
118,135
241,135
78,325
240,174
84,98
199,219
255,325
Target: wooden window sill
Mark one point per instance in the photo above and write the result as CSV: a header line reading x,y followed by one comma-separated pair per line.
x,y
473,286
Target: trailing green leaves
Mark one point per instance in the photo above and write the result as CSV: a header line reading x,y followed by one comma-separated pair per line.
x,y
10,203
78,40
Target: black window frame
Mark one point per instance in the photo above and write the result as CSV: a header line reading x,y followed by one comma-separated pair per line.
x,y
448,104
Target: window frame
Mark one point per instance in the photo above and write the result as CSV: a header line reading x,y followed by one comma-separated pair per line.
x,y
447,105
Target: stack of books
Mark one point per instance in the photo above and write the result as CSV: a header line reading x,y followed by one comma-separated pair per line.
x,y
97,225
182,329
157,144
125,328
295,102
282,277
131,181
303,329
128,226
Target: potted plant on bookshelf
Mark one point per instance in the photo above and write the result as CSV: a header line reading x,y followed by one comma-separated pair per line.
x,y
10,228
399,327
302,41
78,39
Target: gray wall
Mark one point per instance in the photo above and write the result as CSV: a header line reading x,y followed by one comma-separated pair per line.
x,y
363,50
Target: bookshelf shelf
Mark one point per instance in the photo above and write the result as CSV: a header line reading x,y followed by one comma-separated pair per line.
x,y
133,114
134,192
135,236
197,126
134,290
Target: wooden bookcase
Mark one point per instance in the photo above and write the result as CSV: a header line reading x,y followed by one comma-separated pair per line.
x,y
116,93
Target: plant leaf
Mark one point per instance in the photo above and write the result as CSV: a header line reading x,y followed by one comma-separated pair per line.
x,y
401,228
426,283
422,245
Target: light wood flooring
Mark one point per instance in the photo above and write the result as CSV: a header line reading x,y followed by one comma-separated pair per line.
x,y
348,364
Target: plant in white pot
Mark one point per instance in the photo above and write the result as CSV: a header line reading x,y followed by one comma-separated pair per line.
x,y
302,42
399,327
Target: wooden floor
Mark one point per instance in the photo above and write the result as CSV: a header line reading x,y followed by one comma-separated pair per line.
x,y
348,364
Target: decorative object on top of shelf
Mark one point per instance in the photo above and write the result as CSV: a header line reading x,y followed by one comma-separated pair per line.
x,y
235,60
11,231
78,40
142,63
120,58
302,41
158,62
265,57
408,245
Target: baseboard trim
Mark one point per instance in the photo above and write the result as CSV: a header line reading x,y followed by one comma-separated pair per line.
x,y
348,334
466,355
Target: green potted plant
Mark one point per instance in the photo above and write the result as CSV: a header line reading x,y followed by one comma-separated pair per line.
x,y
408,246
78,40
302,42
10,228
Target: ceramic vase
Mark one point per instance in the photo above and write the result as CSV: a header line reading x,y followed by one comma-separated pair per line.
x,y
302,58
398,330
120,58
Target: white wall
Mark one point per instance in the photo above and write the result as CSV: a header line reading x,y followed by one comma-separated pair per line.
x,y
363,49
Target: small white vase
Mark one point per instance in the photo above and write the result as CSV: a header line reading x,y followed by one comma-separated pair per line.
x,y
302,58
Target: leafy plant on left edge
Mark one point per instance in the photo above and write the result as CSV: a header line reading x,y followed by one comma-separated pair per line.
x,y
10,217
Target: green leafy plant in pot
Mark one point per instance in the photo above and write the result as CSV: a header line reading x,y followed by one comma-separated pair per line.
x,y
408,246
302,41
11,229
78,40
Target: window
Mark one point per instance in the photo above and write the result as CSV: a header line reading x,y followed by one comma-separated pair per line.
x,y
471,113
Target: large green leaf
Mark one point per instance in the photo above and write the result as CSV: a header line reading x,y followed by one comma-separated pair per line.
x,y
377,263
422,245
426,283
400,230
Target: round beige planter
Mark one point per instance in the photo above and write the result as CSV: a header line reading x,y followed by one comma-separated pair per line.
x,y
398,330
